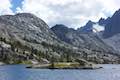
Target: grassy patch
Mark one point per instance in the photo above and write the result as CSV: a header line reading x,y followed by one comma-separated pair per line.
x,y
66,65
26,62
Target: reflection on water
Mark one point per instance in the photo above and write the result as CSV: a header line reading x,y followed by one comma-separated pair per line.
x,y
19,72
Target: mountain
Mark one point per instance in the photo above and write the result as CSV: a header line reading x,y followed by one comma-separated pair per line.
x,y
25,38
113,27
28,36
87,28
78,39
60,30
88,41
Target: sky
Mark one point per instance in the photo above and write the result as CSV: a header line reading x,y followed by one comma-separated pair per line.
x,y
72,13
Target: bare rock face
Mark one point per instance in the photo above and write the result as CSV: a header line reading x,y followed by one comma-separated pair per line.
x,y
113,27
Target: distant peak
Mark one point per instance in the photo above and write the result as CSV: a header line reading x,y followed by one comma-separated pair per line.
x,y
90,22
60,26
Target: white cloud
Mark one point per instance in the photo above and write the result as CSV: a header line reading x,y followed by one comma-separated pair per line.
x,y
5,7
73,13
98,28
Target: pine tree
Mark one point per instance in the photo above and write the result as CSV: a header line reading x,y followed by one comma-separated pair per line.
x,y
52,62
12,47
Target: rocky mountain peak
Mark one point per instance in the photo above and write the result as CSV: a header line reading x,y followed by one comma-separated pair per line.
x,y
103,21
87,28
89,24
59,26
113,27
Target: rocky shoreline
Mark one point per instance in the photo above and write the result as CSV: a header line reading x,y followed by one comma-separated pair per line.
x,y
1,63
65,65
45,66
62,65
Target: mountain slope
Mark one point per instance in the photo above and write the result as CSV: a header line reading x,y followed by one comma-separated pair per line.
x,y
113,41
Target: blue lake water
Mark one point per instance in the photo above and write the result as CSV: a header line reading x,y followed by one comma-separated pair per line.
x,y
19,72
